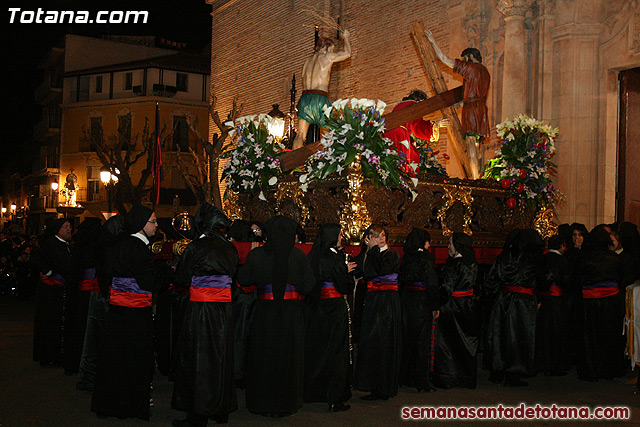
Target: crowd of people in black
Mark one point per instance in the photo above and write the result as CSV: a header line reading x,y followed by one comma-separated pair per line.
x,y
294,328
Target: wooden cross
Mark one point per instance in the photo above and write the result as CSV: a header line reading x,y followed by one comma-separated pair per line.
x,y
443,101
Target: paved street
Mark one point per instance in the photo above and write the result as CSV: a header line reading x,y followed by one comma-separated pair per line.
x,y
34,396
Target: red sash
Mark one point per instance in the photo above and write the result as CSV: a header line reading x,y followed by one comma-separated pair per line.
x,y
554,291
89,285
381,286
462,293
130,299
53,280
518,289
600,290
328,291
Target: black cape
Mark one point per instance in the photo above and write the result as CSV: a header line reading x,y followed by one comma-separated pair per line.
x,y
275,368
204,363
458,327
417,317
601,354
327,347
553,315
510,345
126,365
55,256
378,359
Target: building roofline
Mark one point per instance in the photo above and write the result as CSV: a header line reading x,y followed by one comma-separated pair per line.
x,y
179,61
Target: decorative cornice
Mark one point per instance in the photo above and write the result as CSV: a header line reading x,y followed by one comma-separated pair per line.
x,y
584,30
516,8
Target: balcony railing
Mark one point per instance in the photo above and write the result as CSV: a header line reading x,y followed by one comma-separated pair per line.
x,y
44,163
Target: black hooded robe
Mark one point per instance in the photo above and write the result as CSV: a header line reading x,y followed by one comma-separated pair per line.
x,y
552,320
419,299
126,363
204,360
379,351
458,327
327,361
53,256
98,308
84,254
602,351
275,364
510,346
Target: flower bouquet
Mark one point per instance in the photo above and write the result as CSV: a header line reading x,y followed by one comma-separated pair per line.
x,y
355,127
523,163
429,164
253,164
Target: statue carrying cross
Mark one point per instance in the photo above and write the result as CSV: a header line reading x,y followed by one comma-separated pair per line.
x,y
476,80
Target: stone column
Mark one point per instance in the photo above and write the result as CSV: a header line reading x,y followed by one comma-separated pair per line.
x,y
513,79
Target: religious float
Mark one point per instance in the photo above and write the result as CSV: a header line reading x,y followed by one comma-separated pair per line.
x,y
357,178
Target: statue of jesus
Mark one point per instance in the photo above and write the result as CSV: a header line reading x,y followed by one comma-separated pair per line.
x,y
316,74
476,80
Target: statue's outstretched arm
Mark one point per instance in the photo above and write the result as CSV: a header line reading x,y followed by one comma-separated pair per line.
x,y
345,52
444,58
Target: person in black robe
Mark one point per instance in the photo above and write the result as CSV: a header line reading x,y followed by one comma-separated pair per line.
x,y
360,289
204,364
602,351
275,365
629,262
240,231
84,255
98,307
419,299
54,263
458,327
243,304
630,242
511,330
378,360
553,315
126,364
327,347
578,232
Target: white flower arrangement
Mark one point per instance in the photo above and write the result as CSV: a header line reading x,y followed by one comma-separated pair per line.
x,y
355,126
253,164
524,162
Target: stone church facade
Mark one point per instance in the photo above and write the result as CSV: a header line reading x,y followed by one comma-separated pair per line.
x,y
557,60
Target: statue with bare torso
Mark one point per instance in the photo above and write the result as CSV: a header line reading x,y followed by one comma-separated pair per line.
x,y
316,74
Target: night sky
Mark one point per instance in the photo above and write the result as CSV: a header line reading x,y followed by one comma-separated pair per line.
x,y
186,21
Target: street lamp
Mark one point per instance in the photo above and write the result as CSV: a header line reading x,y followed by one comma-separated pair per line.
x,y
54,185
108,179
276,127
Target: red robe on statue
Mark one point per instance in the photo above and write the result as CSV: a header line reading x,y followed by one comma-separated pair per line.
x,y
422,129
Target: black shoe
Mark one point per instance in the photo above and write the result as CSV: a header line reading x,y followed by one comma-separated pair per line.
x,y
339,407
426,390
374,396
